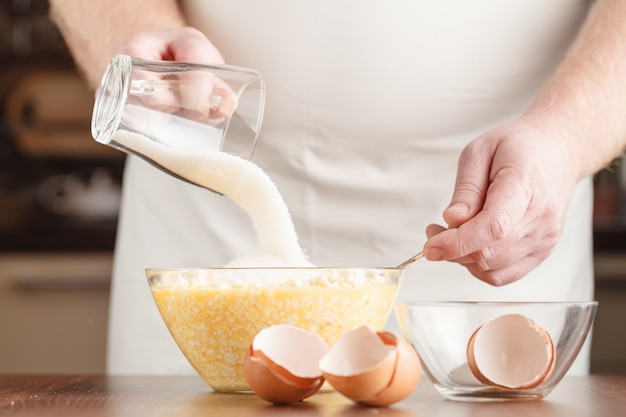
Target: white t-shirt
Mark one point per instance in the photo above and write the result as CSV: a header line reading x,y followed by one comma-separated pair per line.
x,y
368,106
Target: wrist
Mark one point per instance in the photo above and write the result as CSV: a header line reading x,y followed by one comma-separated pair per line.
x,y
559,132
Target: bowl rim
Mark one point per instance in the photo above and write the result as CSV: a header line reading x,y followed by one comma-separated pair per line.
x,y
510,303
282,268
270,277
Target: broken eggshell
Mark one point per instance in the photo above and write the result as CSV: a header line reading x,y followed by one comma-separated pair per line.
x,y
281,364
372,368
512,352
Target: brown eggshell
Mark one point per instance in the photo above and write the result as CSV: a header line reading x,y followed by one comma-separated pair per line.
x,y
471,361
524,340
274,383
366,384
389,373
552,362
359,364
281,363
405,378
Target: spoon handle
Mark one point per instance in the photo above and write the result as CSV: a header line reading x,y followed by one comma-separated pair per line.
x,y
410,260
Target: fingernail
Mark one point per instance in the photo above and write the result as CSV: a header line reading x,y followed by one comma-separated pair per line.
x,y
434,254
458,208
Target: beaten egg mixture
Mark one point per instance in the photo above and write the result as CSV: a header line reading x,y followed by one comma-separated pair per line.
x,y
215,326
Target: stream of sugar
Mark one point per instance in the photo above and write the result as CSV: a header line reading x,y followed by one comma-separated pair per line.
x,y
243,182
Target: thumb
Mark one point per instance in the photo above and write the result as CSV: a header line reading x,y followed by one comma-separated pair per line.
x,y
470,188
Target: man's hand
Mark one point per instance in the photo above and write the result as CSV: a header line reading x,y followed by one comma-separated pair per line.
x,y
508,207
515,182
191,91
183,44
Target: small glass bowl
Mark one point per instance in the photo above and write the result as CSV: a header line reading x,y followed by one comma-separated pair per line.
x,y
440,332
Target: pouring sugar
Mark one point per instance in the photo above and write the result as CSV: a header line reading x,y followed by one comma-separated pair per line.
x,y
243,182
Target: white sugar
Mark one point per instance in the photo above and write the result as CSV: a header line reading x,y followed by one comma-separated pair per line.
x,y
240,180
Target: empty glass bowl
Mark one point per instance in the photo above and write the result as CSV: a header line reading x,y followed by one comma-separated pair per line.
x,y
440,332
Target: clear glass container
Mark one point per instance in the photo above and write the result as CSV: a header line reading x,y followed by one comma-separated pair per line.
x,y
440,332
179,105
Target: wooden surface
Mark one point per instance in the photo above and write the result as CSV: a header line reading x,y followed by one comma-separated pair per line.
x,y
188,396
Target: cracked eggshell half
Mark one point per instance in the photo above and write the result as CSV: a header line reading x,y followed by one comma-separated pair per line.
x,y
372,368
281,364
511,351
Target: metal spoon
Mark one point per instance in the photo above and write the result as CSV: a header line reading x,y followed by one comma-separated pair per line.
x,y
410,260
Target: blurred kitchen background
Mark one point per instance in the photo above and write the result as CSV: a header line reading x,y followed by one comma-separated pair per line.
x,y
59,196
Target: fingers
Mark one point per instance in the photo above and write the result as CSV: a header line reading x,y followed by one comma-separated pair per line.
x,y
173,44
197,94
191,45
509,273
434,229
508,207
500,262
431,252
499,219
494,238
471,185
208,94
204,95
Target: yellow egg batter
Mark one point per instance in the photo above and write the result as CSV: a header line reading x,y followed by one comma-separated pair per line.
x,y
215,326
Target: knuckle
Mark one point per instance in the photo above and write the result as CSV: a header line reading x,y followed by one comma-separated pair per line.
x,y
468,187
552,233
487,259
192,34
500,226
496,278
481,258
489,277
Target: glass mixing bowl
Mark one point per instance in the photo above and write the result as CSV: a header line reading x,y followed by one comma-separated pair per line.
x,y
213,314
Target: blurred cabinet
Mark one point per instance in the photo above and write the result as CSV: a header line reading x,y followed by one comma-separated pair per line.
x,y
59,196
53,312
609,332
609,335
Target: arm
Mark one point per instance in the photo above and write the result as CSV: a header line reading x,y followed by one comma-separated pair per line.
x,y
514,183
96,30
586,98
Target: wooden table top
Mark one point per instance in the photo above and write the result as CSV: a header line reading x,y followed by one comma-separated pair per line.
x,y
189,396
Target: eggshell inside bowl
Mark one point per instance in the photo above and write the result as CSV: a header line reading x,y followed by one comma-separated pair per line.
x,y
511,351
440,332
